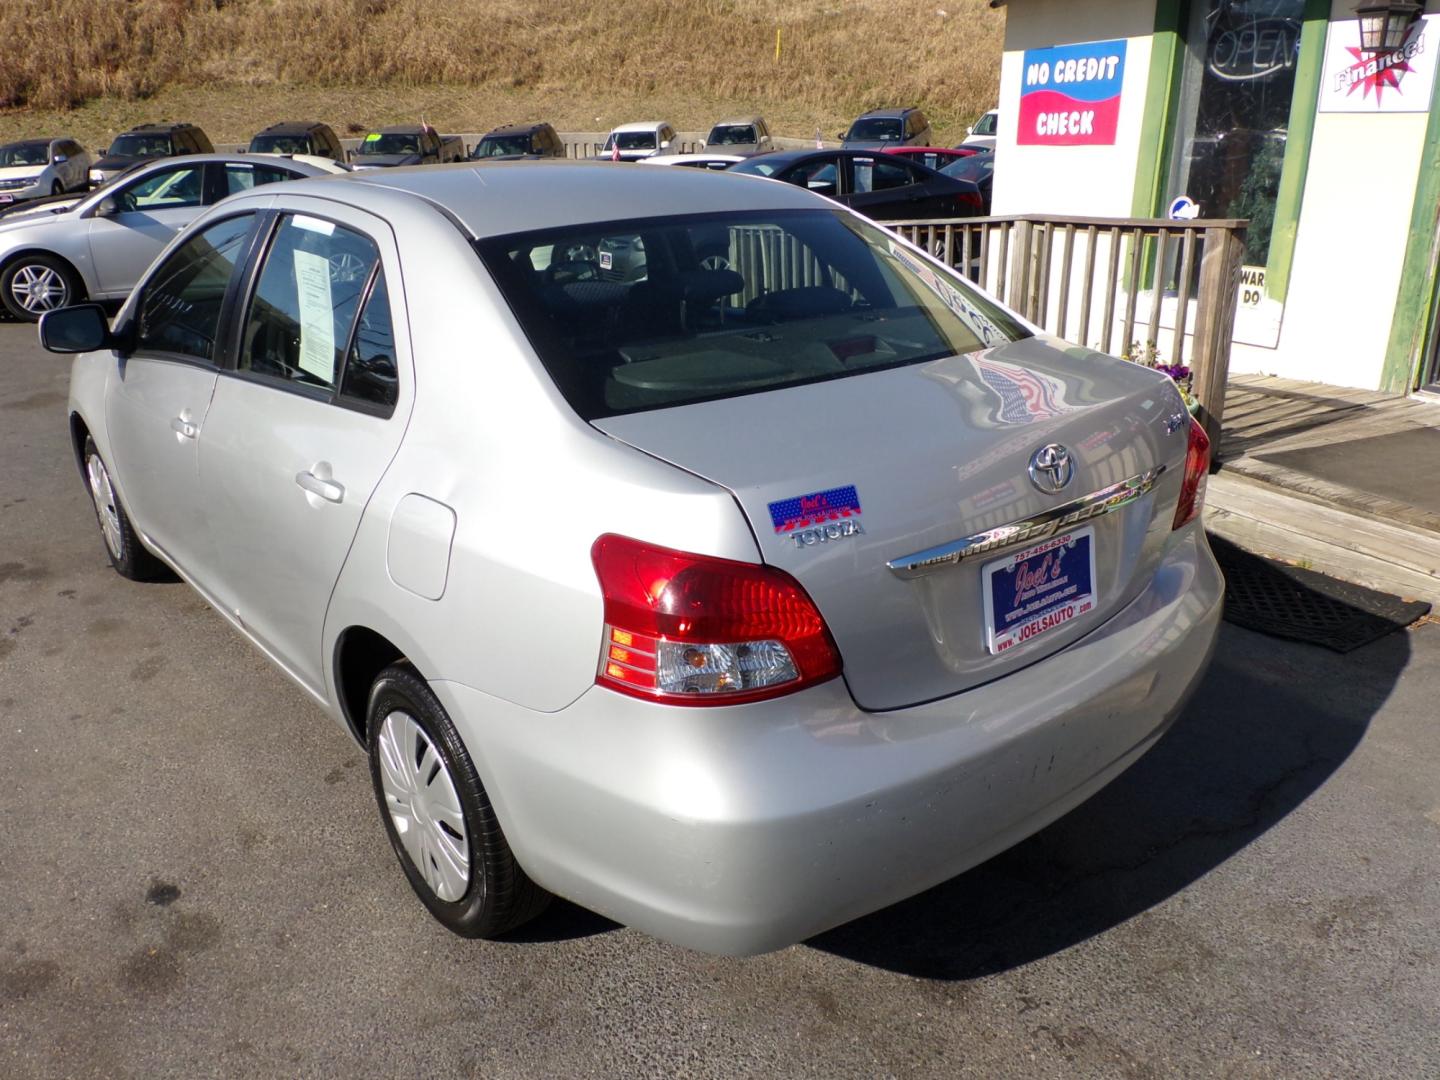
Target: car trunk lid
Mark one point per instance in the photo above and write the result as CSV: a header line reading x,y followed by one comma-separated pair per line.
x,y
861,488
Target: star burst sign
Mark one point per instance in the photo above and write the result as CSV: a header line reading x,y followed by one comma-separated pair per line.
x,y
1384,71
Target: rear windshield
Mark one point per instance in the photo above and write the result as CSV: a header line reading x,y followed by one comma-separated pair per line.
x,y
875,129
732,135
632,140
977,167
141,146
376,143
280,144
502,146
638,315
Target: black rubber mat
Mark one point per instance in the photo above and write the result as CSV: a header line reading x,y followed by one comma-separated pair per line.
x,y
1288,602
1404,466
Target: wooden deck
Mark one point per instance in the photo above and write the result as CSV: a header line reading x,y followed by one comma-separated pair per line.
x,y
1266,415
1355,535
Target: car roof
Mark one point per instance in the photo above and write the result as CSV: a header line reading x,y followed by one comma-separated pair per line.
x,y
895,113
498,198
399,129
739,121
37,140
158,127
516,129
292,127
642,125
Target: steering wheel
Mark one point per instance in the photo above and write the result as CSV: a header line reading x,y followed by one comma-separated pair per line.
x,y
563,273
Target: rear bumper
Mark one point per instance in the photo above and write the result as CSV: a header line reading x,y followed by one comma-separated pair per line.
x,y
742,830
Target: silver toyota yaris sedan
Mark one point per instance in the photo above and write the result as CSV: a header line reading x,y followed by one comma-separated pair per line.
x,y
684,545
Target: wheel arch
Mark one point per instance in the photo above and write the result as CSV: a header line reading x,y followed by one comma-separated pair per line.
x,y
10,259
360,655
79,432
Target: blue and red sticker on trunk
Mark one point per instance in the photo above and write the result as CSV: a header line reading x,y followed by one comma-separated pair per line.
x,y
819,517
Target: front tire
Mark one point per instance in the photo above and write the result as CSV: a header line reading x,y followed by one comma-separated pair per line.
x,y
36,283
127,555
438,816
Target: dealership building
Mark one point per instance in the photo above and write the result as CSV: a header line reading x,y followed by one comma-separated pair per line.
x,y
1275,111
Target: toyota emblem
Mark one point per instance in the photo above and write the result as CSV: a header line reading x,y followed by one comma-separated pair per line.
x,y
1051,468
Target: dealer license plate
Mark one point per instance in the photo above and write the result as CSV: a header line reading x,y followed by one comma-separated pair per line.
x,y
1040,589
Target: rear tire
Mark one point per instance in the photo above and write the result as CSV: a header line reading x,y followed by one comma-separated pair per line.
x,y
127,555
36,283
438,817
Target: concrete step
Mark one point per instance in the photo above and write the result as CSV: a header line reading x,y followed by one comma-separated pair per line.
x,y
1354,547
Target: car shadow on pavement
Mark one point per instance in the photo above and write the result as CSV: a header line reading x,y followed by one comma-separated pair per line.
x,y
1268,725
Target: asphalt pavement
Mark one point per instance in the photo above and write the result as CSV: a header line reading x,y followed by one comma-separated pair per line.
x,y
194,879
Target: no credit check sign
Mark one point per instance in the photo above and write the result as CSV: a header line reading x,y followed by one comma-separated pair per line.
x,y
1070,94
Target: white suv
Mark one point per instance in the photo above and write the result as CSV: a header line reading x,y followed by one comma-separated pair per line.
x,y
35,168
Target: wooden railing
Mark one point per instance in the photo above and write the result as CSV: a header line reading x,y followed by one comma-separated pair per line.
x,y
1085,279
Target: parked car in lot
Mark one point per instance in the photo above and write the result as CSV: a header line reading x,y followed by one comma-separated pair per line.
x,y
984,132
856,581
880,128
519,141
932,157
37,168
407,144
97,246
308,138
746,135
979,169
880,186
148,141
643,139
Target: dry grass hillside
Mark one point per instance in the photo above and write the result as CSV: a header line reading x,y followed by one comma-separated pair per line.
x,y
95,66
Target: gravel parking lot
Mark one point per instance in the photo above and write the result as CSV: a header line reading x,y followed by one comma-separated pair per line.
x,y
194,879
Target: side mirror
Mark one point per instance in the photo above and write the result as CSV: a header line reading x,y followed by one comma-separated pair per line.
x,y
969,131
60,159
664,144
107,207
840,135
77,329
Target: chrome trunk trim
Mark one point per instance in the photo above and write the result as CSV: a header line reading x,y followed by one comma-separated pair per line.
x,y
1027,529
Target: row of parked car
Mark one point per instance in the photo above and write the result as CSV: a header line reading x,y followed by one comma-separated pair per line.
x,y
155,178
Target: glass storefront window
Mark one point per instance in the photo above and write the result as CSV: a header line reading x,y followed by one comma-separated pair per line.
x,y
1234,110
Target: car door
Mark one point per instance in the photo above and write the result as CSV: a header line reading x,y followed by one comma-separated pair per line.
x,y
888,188
157,399
131,227
303,425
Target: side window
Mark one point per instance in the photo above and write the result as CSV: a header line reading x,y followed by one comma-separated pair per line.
x,y
881,174
304,306
180,303
817,174
370,372
167,189
185,144
243,177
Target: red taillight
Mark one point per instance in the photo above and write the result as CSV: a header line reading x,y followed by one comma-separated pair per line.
x,y
1197,468
697,630
970,199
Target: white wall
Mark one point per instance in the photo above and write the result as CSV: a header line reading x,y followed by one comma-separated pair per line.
x,y
1093,181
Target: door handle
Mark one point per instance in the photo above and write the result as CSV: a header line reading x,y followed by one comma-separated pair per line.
x,y
328,490
184,428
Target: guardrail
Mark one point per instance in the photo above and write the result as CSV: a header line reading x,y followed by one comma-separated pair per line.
x,y
1084,279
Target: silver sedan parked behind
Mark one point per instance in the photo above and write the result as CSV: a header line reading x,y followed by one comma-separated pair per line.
x,y
731,601
98,246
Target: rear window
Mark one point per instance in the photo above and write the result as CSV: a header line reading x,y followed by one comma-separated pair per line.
x,y
280,144
639,315
732,135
